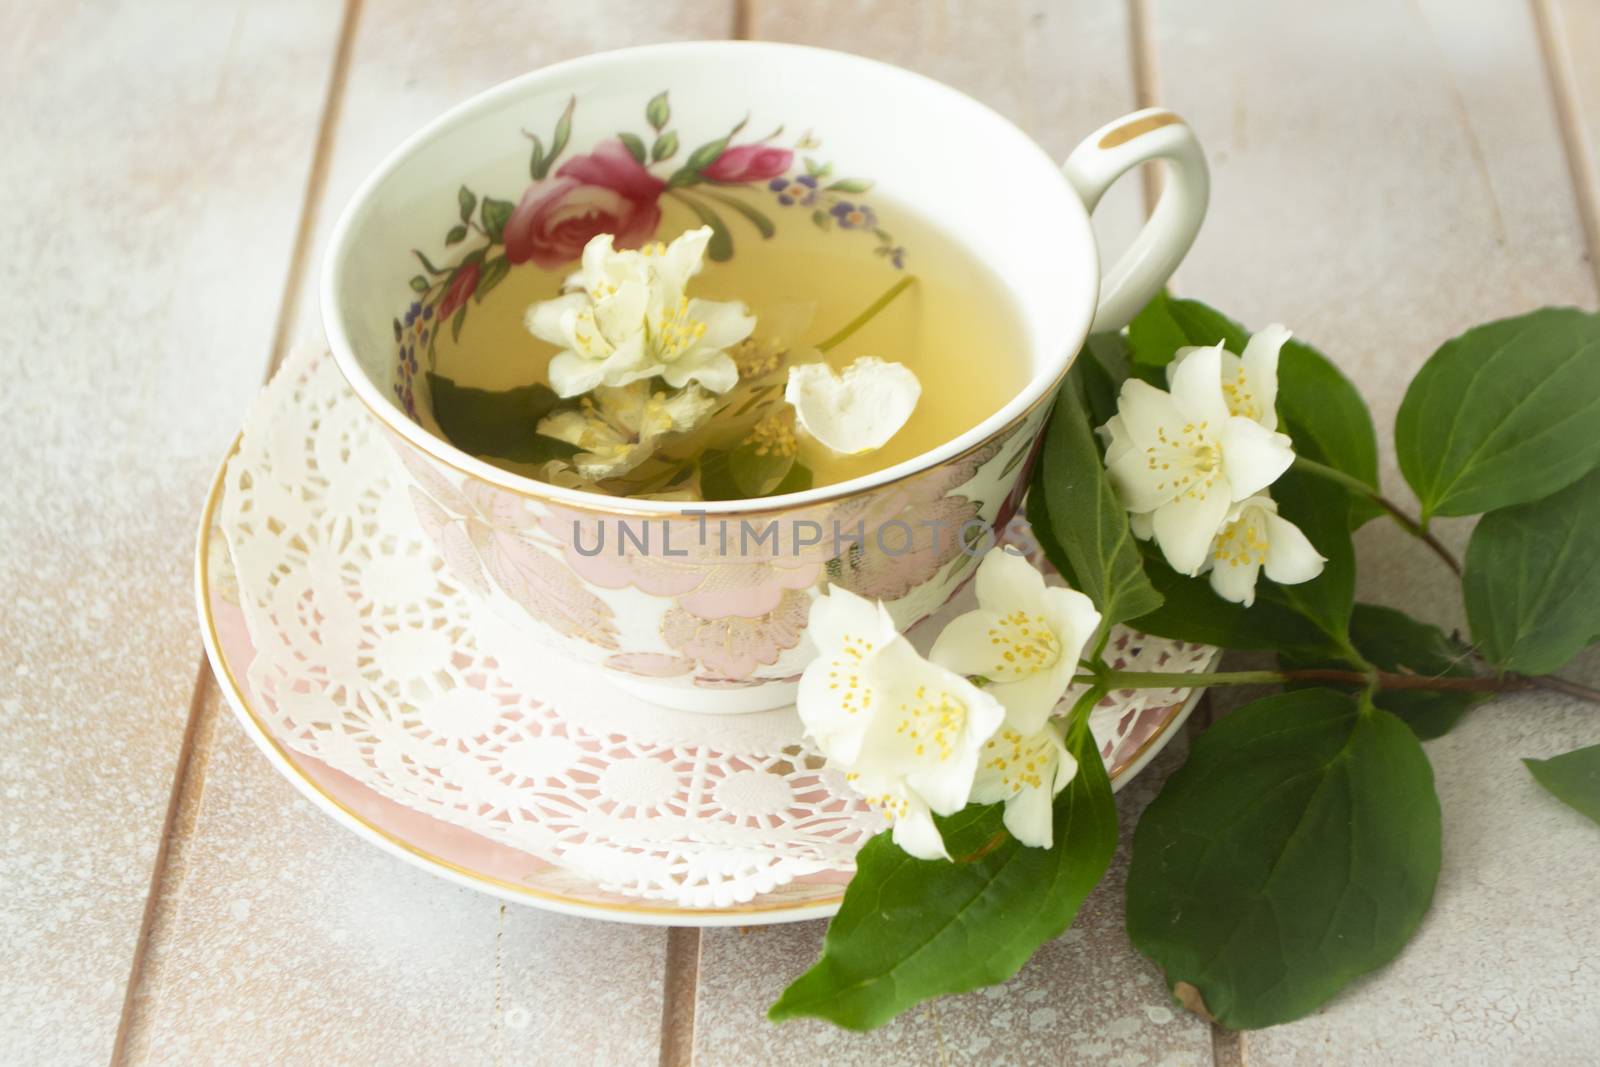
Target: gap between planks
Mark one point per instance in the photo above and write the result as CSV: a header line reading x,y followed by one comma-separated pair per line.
x,y
680,987
1555,49
1146,87
188,779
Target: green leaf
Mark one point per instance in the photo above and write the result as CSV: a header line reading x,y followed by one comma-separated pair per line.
x,y
494,272
1329,422
538,166
1167,324
757,475
798,480
848,185
1086,519
720,247
1296,850
1190,611
427,265
456,235
1504,414
657,112
495,213
1393,641
563,133
467,201
498,423
911,929
1530,581
419,284
634,145
822,219
1322,511
1039,525
1574,778
664,148
705,155
755,217
716,476
1102,368
456,322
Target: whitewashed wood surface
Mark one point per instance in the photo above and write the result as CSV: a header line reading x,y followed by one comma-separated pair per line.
x,y
1384,175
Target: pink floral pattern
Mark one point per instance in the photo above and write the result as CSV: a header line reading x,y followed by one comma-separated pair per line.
x,y
734,647
731,614
921,523
477,531
733,610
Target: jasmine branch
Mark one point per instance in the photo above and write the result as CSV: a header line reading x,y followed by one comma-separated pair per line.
x,y
1509,683
868,315
1405,521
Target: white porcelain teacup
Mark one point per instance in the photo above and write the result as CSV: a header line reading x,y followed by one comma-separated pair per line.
x,y
704,607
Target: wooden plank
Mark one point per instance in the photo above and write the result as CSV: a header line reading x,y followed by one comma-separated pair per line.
x,y
153,167
287,940
1570,33
1058,70
1384,176
355,955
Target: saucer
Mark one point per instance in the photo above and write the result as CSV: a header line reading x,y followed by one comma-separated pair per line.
x,y
433,729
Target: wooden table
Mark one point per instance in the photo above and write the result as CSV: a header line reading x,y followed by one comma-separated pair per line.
x,y
1385,174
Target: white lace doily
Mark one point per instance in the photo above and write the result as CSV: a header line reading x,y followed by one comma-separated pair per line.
x,y
368,657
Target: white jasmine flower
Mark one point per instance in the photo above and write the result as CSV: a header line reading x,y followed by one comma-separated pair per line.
x,y
1025,771
1182,458
617,427
907,732
631,319
1024,639
857,411
1250,381
1255,538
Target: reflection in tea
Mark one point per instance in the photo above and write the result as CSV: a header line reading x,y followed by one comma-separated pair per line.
x,y
800,361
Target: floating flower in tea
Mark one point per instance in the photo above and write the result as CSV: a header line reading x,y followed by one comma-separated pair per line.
x,y
857,411
619,427
630,319
660,394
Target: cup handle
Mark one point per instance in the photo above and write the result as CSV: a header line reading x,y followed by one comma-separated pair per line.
x,y
1108,154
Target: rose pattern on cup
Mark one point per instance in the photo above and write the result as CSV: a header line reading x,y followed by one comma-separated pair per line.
x,y
606,191
616,187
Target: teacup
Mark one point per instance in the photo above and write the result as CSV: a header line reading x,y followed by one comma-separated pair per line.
x,y
704,606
